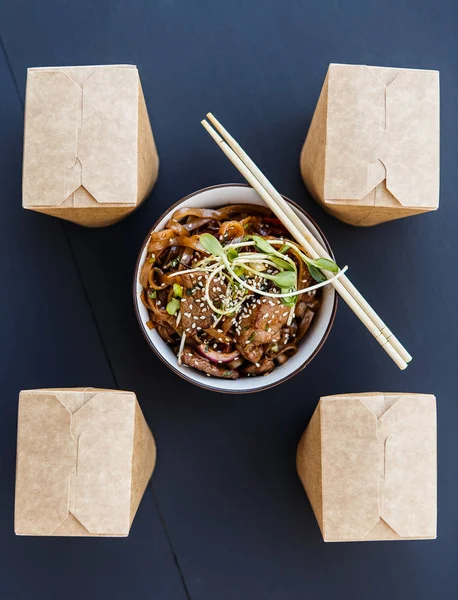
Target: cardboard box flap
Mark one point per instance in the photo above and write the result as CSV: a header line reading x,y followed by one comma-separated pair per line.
x,y
101,500
408,488
350,449
80,463
382,125
81,122
46,455
378,463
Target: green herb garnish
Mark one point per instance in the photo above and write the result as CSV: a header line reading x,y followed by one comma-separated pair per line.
x,y
177,290
262,245
211,244
152,294
284,279
282,264
288,300
326,264
173,306
316,273
232,254
252,336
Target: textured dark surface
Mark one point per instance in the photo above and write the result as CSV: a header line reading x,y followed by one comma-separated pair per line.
x,y
227,518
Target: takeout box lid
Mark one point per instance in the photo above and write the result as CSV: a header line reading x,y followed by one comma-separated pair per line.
x,y
81,130
76,459
382,124
378,463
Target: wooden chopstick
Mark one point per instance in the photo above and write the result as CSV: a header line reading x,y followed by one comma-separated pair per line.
x,y
319,249
306,239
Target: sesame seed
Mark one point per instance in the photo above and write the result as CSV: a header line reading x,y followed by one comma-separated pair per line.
x,y
193,325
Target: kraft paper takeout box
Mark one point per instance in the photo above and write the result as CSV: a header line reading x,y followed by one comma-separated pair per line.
x,y
372,150
368,465
84,458
89,152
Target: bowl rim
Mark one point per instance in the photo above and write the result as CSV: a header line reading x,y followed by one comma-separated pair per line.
x,y
156,350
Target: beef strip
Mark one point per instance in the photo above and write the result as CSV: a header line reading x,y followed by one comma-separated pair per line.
x,y
190,358
251,352
260,323
195,312
262,368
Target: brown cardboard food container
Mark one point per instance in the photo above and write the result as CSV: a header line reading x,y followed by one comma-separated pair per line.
x,y
368,465
372,151
89,152
84,459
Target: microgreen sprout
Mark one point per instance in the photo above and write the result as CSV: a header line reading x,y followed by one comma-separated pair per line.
x,y
237,267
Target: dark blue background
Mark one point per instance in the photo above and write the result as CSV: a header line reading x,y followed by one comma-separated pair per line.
x,y
225,517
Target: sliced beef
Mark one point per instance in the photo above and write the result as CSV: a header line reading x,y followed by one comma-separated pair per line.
x,y
262,368
190,358
251,352
260,323
235,364
195,312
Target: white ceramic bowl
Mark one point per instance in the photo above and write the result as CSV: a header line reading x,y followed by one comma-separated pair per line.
x,y
214,197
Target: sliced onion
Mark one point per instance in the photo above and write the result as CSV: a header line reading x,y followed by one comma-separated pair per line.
x,y
217,357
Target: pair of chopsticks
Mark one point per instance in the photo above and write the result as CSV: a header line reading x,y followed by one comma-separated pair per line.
x,y
306,239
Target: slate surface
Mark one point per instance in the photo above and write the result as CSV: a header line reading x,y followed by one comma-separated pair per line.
x,y
236,516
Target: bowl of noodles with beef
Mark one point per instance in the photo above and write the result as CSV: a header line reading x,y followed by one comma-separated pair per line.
x,y
226,297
